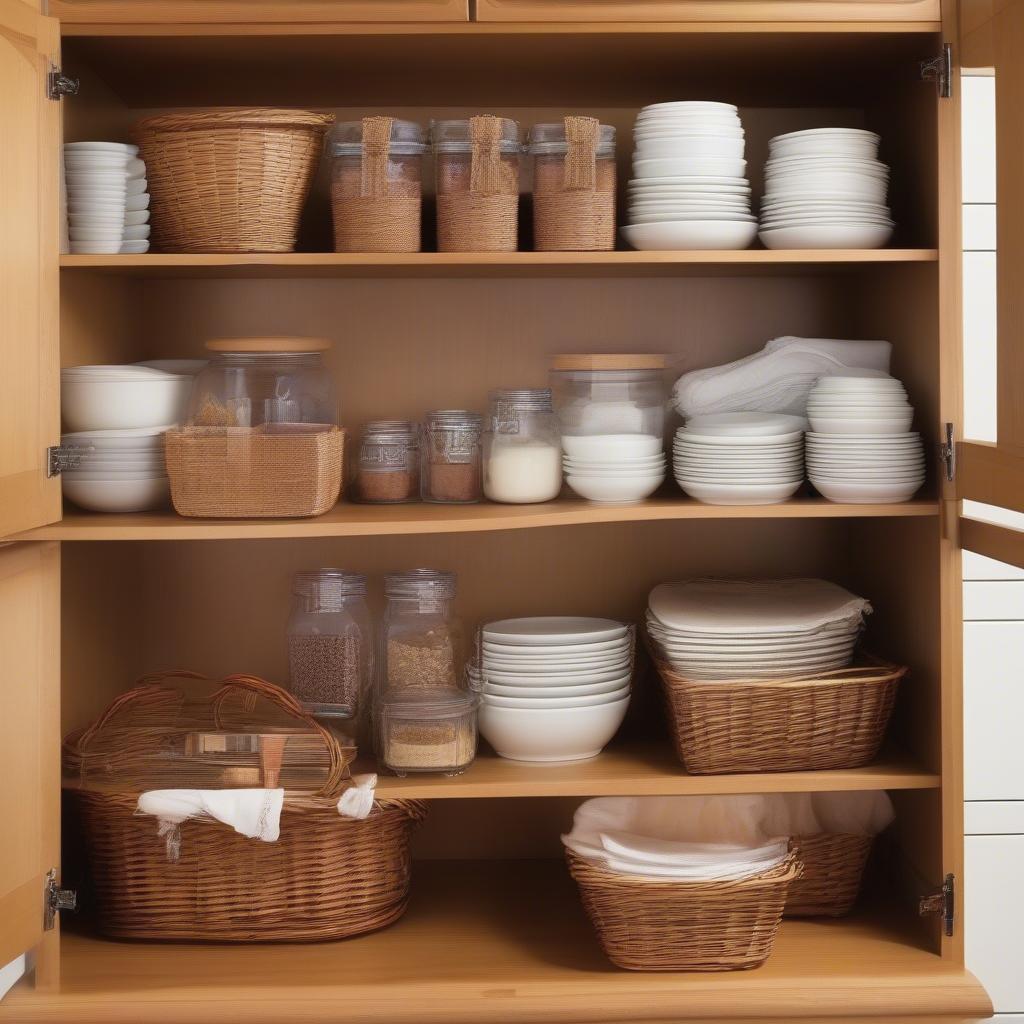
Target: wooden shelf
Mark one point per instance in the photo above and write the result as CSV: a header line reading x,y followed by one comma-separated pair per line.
x,y
349,520
640,770
520,264
504,942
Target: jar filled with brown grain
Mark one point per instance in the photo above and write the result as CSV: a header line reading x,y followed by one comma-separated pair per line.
x,y
573,185
427,732
377,185
388,467
477,169
452,456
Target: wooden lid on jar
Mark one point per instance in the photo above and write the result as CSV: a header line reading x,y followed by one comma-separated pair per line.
x,y
282,344
609,361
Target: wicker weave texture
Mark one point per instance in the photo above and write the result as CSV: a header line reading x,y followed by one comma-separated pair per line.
x,y
241,472
327,877
653,925
232,181
806,723
833,868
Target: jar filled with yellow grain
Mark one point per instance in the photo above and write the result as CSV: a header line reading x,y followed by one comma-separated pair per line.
x,y
427,732
477,168
573,185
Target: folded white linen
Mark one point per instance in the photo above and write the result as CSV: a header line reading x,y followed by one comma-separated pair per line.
x,y
863,813
357,800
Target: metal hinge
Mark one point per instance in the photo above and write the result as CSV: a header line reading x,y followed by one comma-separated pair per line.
x,y
58,84
56,899
947,453
940,71
942,902
61,457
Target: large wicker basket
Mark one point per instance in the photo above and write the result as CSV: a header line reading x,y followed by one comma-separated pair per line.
x,y
652,925
247,472
833,867
327,877
230,181
801,723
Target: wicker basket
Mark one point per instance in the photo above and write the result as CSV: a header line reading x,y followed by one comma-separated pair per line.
x,y
833,867
327,877
802,723
230,181
247,472
652,925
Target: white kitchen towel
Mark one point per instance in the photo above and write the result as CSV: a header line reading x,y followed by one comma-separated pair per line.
x,y
863,813
357,800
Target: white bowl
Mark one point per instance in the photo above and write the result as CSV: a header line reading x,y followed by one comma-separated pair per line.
x,y
176,366
649,465
563,677
136,169
136,232
566,671
551,734
136,186
127,148
862,425
655,167
868,492
678,216
686,106
615,490
694,234
95,234
839,236
550,648
79,161
592,700
611,446
699,183
823,220
742,494
109,181
691,146
134,218
787,442
118,405
118,495
134,246
95,248
136,203
137,462
146,437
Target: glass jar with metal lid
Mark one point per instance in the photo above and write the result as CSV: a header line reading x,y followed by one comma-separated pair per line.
x,y
388,467
573,185
451,461
377,184
477,168
522,448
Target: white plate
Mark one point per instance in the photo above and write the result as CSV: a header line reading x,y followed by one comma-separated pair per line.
x,y
685,437
135,218
683,217
101,147
580,690
727,167
743,424
862,425
866,493
832,237
688,474
134,247
691,146
534,703
544,630
742,494
556,679
769,223
104,248
554,650
135,203
515,667
674,106
561,663
694,235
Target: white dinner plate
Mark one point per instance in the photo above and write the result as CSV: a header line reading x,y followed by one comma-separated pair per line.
x,y
546,630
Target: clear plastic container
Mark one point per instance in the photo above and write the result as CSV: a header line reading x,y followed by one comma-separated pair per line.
x,y
477,168
610,396
573,185
522,447
388,468
452,454
427,732
330,643
377,184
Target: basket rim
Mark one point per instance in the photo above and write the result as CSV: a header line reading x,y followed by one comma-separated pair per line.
x,y
246,117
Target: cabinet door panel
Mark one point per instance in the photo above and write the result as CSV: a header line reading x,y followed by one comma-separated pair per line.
x,y
29,738
29,197
202,12
707,10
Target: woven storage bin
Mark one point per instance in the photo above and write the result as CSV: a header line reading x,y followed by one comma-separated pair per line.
x,y
833,867
802,723
242,472
327,877
653,925
230,181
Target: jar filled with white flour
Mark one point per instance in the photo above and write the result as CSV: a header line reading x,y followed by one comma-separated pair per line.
x,y
522,447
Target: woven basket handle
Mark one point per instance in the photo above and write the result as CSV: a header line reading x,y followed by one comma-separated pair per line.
x,y
374,167
581,136
485,169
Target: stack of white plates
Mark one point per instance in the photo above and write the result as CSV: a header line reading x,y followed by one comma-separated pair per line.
x,y
859,404
122,397
555,688
614,469
825,188
740,458
108,205
117,470
765,629
689,189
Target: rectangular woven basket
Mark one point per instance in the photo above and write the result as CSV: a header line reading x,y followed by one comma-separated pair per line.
x,y
249,472
833,868
646,924
802,723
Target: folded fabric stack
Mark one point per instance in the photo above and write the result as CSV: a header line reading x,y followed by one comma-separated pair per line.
x,y
777,379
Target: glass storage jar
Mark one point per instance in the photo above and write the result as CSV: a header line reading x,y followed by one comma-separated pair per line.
x,y
451,461
477,168
388,469
330,643
427,732
573,185
522,447
377,184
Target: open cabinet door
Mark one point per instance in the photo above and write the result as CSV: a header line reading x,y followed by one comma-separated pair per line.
x,y
992,36
29,248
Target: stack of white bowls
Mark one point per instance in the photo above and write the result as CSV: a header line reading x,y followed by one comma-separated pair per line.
x,y
825,188
860,448
754,629
614,469
108,205
740,458
122,397
554,688
689,187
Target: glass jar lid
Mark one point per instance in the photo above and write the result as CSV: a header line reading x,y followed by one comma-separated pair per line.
x,y
550,138
454,419
328,588
407,138
392,432
610,367
456,136
438,584
418,703
522,399
269,346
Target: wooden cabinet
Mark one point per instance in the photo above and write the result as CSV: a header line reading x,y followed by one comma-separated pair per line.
x,y
495,932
